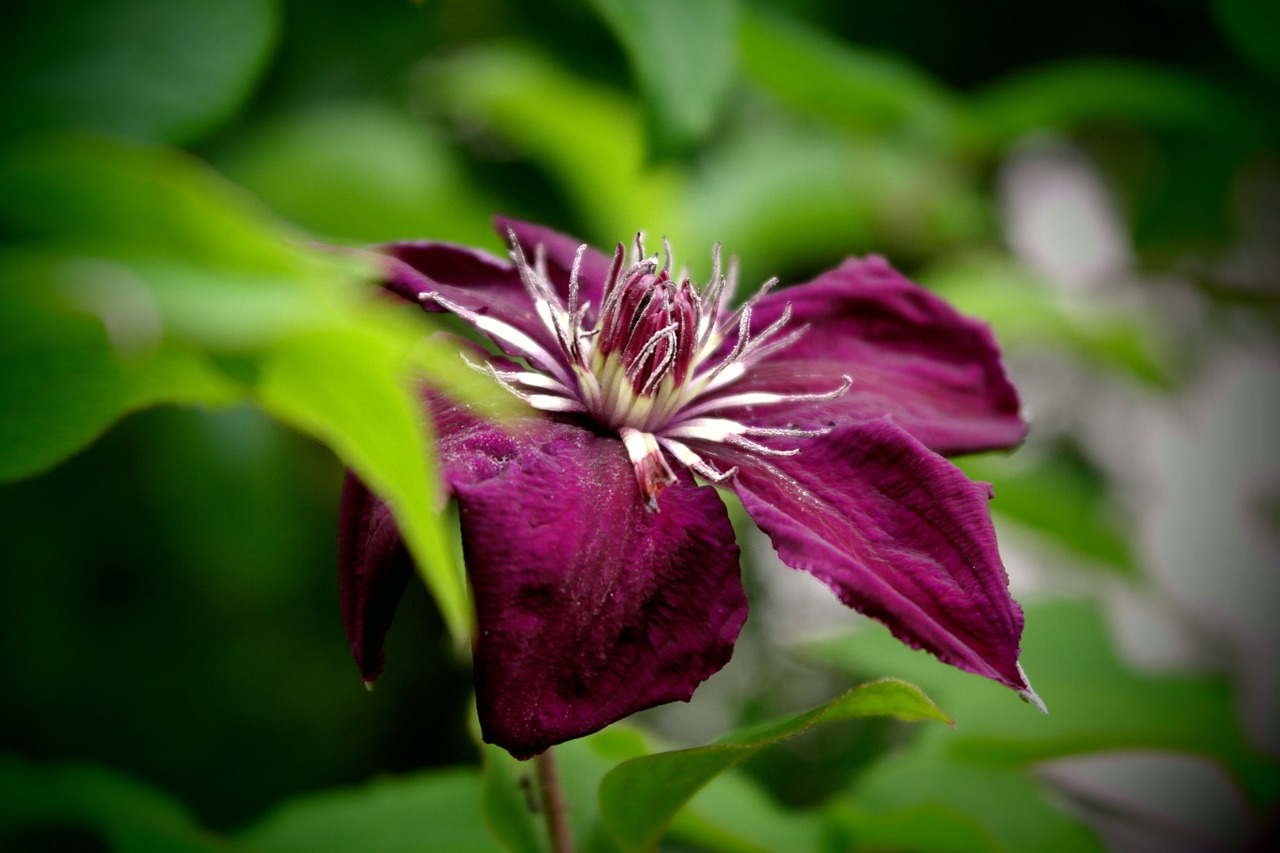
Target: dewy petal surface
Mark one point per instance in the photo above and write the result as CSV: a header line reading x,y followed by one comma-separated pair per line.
x,y
374,568
937,373
899,533
589,606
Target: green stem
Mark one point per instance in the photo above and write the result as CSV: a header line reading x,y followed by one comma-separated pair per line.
x,y
553,804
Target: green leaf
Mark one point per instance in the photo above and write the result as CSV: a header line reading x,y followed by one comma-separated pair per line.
x,y
640,796
351,388
127,815
130,264
181,269
1095,702
846,86
361,172
149,69
682,54
427,812
1078,92
96,195
63,381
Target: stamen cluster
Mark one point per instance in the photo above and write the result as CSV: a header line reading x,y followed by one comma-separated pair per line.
x,y
650,365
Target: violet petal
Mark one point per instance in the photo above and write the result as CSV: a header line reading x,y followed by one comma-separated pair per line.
x,y
937,373
899,533
373,571
589,606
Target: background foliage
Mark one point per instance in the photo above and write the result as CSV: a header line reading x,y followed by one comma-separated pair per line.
x,y
183,377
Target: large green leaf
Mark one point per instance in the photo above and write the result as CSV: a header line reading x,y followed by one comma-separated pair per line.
x,y
639,797
350,388
427,812
64,380
68,800
682,53
149,69
177,271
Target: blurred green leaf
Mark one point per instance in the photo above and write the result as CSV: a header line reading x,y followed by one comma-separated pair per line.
x,y
791,194
149,69
993,809
640,796
427,812
587,137
1024,312
510,801
95,195
846,86
209,271
1077,92
1095,701
63,380
349,387
1061,497
361,171
733,814
683,55
1253,26
130,817
927,827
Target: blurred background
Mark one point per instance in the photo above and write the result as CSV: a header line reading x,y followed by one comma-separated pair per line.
x,y
1100,181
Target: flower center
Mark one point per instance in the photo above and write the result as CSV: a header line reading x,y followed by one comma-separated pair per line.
x,y
652,366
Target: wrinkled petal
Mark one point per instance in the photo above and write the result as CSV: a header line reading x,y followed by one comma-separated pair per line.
x,y
589,606
900,534
373,571
909,355
560,250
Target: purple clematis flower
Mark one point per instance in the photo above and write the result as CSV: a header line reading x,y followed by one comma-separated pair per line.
x,y
606,579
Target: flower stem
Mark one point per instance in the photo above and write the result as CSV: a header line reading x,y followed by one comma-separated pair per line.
x,y
553,804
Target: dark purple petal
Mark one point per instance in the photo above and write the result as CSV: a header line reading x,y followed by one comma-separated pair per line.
x,y
909,355
560,251
589,606
899,533
373,571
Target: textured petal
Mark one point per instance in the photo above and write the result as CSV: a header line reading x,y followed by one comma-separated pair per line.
x,y
373,571
589,606
899,534
909,354
560,250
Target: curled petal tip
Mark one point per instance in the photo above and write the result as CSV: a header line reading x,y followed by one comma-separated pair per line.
x,y
1028,695
368,684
